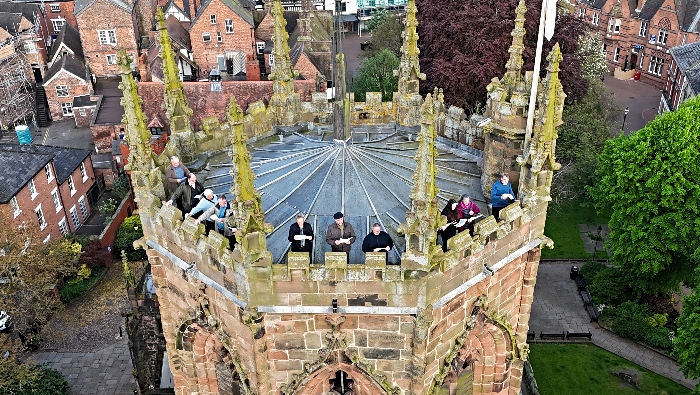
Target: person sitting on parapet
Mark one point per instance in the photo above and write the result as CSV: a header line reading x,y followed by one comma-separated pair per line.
x,y
450,228
377,241
221,214
340,235
501,195
176,173
468,210
185,194
208,199
301,235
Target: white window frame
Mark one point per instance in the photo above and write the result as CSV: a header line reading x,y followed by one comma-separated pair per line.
x,y
271,59
40,217
595,18
219,37
212,19
83,208
611,23
63,226
56,7
15,207
260,47
662,38
74,217
206,37
656,66
32,189
83,172
49,173
57,24
581,13
81,111
62,91
107,37
228,23
643,28
56,200
616,55
67,109
29,47
111,59
618,22
71,185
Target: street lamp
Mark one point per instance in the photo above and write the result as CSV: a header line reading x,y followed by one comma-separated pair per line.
x,y
600,228
624,118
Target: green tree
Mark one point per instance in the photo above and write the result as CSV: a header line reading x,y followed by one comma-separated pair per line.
x,y
129,231
649,182
587,126
686,344
20,378
377,19
592,55
387,35
376,74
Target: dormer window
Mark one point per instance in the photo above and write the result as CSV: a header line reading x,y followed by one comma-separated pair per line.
x,y
55,7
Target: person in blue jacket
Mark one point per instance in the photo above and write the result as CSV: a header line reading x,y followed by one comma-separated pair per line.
x,y
501,195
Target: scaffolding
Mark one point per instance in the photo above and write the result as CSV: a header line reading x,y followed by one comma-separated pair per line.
x,y
17,96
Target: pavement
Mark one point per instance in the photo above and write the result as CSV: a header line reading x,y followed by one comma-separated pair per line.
x,y
641,99
557,307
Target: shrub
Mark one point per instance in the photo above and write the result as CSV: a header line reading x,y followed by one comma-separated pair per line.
x,y
23,379
658,337
129,231
76,287
94,255
628,320
610,287
121,186
590,269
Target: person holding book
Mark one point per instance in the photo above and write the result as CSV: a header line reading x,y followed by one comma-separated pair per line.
x,y
468,210
340,234
448,230
301,235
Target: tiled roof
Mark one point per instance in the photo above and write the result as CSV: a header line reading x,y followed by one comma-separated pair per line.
x,y
687,57
70,38
10,21
234,5
111,110
68,63
649,9
688,12
27,160
83,101
29,11
82,5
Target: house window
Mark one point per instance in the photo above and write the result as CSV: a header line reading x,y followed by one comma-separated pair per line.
x,y
71,185
260,47
605,48
212,19
57,24
663,36
656,65
49,172
156,131
81,112
32,189
617,54
83,207
343,7
67,108
74,217
595,18
111,59
63,226
83,171
29,47
15,207
40,217
107,37
62,90
581,12
55,7
272,59
229,26
643,28
219,38
56,200
617,25
206,37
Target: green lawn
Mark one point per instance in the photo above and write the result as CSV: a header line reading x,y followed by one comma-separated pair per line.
x,y
586,369
562,227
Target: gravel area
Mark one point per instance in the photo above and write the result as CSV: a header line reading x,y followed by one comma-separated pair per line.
x,y
92,321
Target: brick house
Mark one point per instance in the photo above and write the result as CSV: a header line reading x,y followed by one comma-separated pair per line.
x,y
103,36
48,188
683,78
27,22
638,34
84,110
58,14
222,36
67,76
180,38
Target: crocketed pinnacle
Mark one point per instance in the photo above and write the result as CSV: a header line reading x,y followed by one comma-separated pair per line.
x,y
515,61
282,71
174,94
409,69
424,187
134,120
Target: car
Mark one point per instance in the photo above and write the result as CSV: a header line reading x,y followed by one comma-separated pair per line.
x,y
5,322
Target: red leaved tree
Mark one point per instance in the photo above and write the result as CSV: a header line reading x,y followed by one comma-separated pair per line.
x,y
464,44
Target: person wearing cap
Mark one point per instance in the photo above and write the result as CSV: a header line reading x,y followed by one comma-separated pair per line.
x,y
501,195
340,235
222,215
301,235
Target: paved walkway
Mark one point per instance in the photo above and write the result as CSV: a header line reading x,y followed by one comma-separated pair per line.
x,y
641,99
557,307
104,372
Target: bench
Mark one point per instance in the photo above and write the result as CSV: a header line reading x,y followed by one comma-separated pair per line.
x,y
586,296
531,335
552,336
580,283
592,311
577,335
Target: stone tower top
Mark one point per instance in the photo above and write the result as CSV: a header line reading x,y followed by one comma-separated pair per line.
x,y
409,68
515,61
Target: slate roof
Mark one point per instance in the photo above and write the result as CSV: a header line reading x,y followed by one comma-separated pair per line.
x,y
687,57
234,5
82,5
10,21
110,111
688,14
27,160
68,63
83,101
649,9
70,38
29,11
